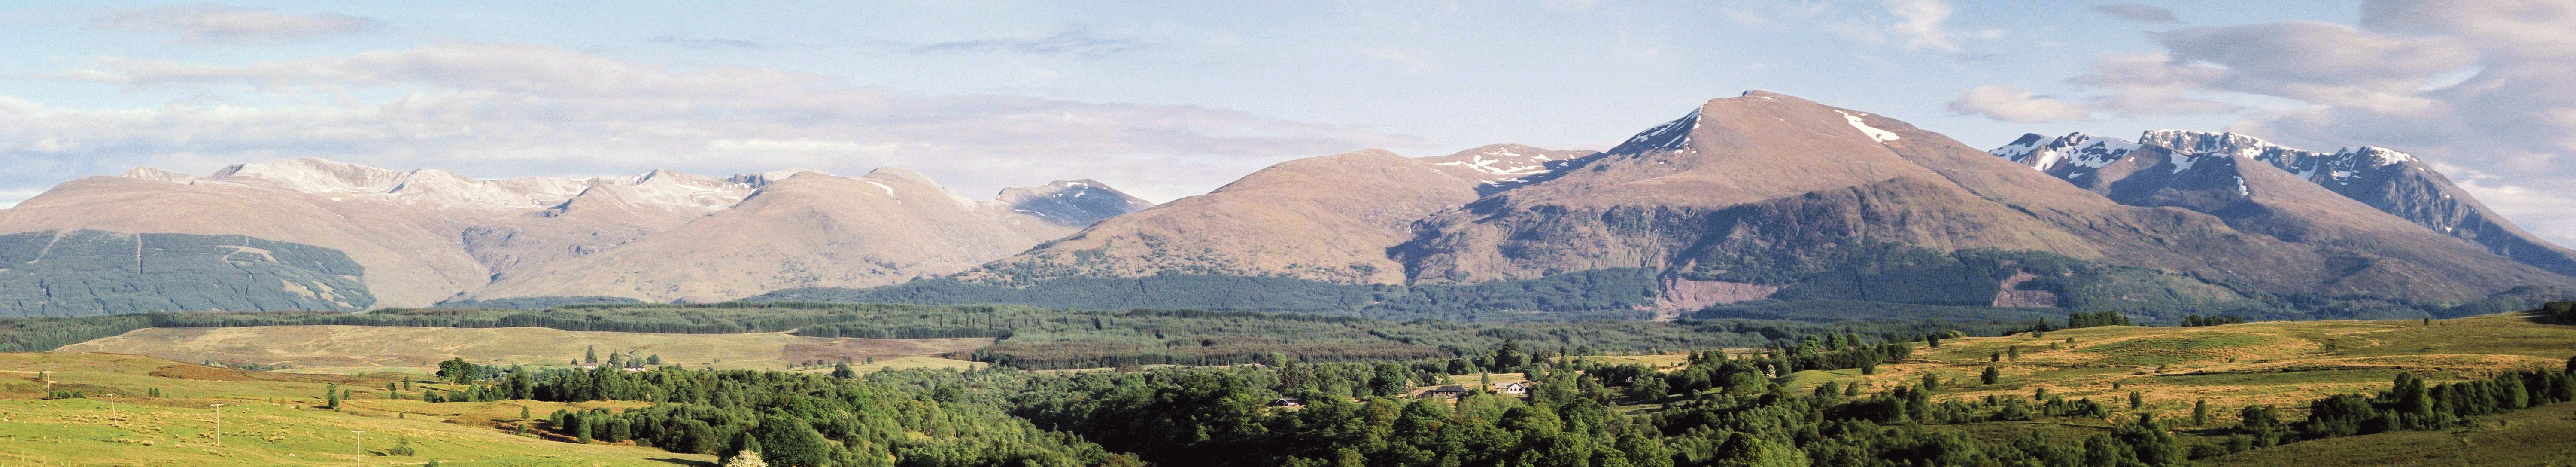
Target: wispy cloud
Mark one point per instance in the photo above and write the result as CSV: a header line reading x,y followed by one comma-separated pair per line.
x,y
2137,12
2015,105
707,42
1413,61
211,24
1076,41
1909,24
523,109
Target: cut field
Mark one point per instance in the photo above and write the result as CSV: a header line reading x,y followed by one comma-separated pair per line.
x,y
368,349
268,419
2538,437
2283,363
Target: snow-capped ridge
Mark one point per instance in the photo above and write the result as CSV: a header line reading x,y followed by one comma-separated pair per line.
x,y
1670,136
313,175
158,175
2339,168
663,189
2076,154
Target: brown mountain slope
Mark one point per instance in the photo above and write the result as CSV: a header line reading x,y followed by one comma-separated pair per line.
x,y
809,230
1328,218
1772,192
1805,173
2374,251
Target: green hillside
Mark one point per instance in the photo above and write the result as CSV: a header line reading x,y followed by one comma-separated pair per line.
x,y
96,272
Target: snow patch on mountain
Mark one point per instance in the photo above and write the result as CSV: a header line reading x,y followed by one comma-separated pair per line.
x,y
1872,132
1503,162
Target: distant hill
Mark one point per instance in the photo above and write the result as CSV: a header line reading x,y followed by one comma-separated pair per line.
x,y
426,236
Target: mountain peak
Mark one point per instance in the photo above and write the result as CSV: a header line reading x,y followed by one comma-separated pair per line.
x,y
157,175
314,175
1497,164
1076,203
2074,152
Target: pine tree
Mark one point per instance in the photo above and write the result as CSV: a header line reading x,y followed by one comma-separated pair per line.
x,y
843,371
2137,400
2200,412
1990,376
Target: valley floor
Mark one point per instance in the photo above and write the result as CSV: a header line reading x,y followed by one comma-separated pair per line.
x,y
268,419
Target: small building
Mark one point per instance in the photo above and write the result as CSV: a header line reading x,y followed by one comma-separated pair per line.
x,y
1446,390
1516,387
1288,402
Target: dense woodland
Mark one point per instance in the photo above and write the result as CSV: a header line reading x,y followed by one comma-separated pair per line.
x,y
1720,409
1044,339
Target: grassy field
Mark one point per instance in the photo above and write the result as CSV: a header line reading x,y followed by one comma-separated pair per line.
x,y
369,349
268,419
2284,363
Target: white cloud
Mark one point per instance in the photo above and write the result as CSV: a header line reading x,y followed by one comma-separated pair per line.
x,y
506,109
1919,23
1413,61
2015,105
1909,24
210,24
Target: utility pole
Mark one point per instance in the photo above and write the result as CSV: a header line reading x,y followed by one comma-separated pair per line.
x,y
361,446
219,425
111,406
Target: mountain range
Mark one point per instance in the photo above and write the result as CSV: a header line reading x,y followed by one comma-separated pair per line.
x,y
1761,198
425,236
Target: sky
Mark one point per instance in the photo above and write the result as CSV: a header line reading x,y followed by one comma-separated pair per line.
x,y
1171,99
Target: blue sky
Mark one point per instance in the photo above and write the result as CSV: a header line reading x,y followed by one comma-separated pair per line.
x,y
1169,99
